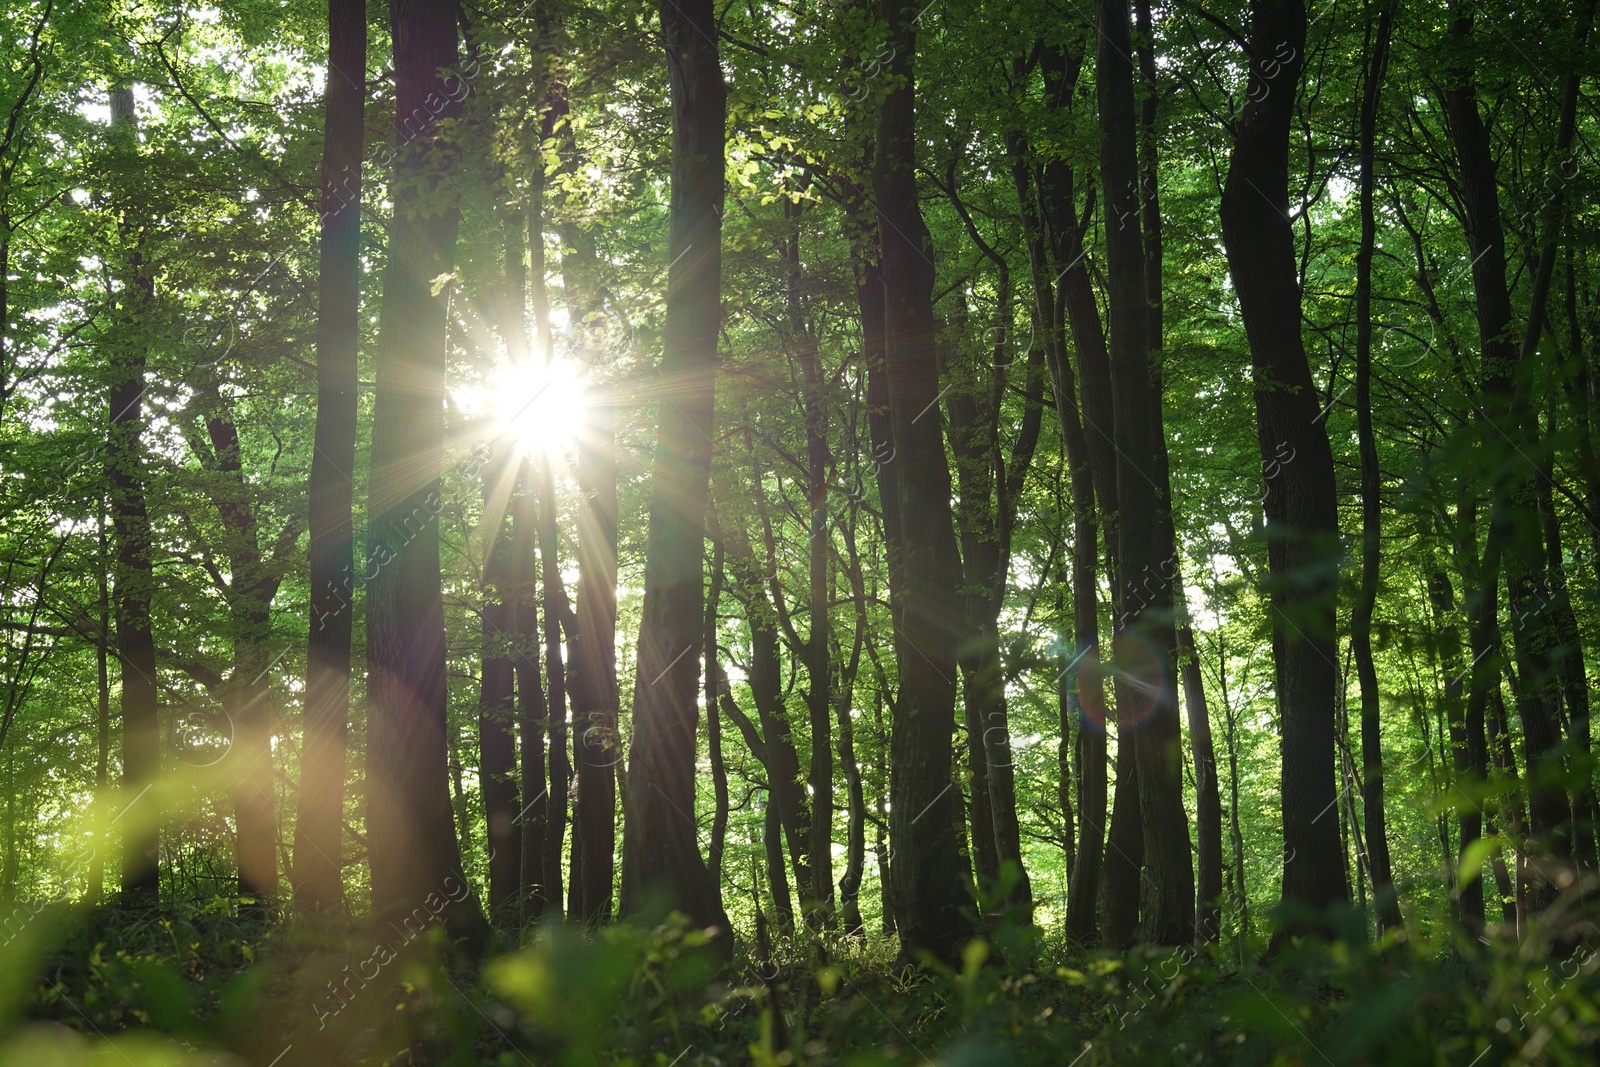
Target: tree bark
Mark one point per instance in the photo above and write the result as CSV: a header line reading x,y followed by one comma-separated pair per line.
x,y
929,895
780,758
537,897
413,847
1302,522
719,770
988,487
856,829
1106,873
133,579
497,695
246,691
819,700
319,819
1143,649
557,610
1514,547
662,866
595,696
1372,794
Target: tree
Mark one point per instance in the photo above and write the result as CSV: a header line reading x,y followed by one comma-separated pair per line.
x,y
1302,519
412,838
319,819
1388,909
930,896
661,861
1145,546
133,575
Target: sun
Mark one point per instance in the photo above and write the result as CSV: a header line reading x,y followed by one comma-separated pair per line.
x,y
540,408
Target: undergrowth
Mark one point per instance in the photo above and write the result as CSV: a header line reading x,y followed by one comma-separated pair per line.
x,y
198,987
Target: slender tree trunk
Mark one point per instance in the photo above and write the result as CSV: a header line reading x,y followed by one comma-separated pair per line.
x,y
1241,898
102,759
1146,701
1576,385
802,341
1568,656
1468,753
856,830
497,695
777,877
255,813
719,770
971,443
246,695
596,696
662,865
1513,814
1514,547
319,819
766,689
133,580
413,846
537,897
1301,510
1107,871
1208,803
929,894
1372,795
557,609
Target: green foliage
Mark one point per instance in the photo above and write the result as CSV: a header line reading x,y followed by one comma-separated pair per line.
x,y
206,987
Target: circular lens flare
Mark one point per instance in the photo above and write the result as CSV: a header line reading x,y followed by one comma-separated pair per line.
x,y
1137,674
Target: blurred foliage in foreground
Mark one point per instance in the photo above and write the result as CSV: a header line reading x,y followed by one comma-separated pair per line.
x,y
81,986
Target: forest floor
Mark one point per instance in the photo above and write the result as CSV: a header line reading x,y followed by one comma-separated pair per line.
x,y
199,988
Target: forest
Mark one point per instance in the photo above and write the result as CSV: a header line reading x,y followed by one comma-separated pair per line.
x,y
799,532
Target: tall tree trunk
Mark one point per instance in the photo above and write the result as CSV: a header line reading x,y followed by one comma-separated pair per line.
x,y
1301,509
1240,898
777,877
1208,802
929,895
1513,815
1512,547
246,693
856,830
319,818
719,770
782,761
972,443
497,696
413,846
1468,753
557,610
537,897
595,696
1144,540
133,581
1575,383
1104,887
1568,656
102,756
1208,805
662,865
819,699
1372,796
988,488
255,812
